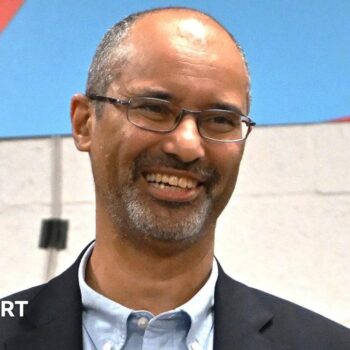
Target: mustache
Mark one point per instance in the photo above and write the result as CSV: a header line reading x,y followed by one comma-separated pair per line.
x,y
143,161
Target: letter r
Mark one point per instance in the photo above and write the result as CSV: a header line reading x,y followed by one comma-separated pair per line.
x,y
7,306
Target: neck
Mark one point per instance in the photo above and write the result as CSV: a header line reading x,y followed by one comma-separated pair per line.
x,y
149,274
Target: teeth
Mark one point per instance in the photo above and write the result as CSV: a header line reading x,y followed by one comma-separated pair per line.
x,y
165,179
173,180
162,179
182,182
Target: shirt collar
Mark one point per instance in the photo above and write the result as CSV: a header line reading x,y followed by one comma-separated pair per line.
x,y
200,310
113,316
101,316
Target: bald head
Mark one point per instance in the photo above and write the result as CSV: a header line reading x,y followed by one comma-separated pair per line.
x,y
184,28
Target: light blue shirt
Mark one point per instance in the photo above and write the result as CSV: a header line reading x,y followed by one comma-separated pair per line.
x,y
108,325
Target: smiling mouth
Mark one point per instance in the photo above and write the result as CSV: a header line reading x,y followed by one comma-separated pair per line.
x,y
165,181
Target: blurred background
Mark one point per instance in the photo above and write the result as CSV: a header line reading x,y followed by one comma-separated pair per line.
x,y
286,229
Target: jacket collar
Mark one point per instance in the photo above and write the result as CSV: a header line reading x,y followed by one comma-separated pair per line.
x,y
55,316
240,318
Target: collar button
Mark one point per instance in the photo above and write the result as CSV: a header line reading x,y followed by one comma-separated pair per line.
x,y
108,345
142,322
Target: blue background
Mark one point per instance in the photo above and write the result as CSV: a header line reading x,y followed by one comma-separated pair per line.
x,y
298,53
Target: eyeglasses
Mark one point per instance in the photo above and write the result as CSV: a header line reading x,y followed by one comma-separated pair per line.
x,y
162,116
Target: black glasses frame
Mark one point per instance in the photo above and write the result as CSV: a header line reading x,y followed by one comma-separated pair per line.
x,y
183,112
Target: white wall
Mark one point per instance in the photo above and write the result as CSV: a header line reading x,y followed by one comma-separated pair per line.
x,y
286,229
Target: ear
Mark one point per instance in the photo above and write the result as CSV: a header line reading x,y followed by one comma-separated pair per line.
x,y
82,122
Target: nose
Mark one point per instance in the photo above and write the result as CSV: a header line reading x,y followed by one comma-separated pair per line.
x,y
185,141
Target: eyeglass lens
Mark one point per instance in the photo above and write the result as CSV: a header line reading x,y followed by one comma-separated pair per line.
x,y
158,115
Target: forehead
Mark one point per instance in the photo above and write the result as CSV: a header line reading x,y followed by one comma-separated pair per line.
x,y
176,28
183,48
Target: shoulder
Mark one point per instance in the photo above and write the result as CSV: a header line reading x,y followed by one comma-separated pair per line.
x,y
294,319
56,299
13,309
26,294
279,320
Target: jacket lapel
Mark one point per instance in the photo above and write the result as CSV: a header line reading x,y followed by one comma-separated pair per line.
x,y
54,316
240,318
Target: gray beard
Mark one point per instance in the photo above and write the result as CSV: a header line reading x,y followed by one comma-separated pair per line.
x,y
183,221
130,213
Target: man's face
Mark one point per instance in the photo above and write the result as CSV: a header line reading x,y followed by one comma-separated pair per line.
x,y
169,186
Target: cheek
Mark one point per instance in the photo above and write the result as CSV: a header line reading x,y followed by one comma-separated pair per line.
x,y
227,163
129,144
228,157
104,151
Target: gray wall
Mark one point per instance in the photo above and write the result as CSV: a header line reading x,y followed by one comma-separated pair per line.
x,y
285,230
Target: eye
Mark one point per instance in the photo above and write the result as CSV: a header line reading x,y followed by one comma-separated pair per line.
x,y
222,122
151,109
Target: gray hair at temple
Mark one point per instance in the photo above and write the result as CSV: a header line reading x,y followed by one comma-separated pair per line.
x,y
113,51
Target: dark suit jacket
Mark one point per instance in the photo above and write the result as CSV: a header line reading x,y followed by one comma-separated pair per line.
x,y
245,319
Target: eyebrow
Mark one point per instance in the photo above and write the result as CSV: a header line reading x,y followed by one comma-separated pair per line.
x,y
164,95
227,107
155,93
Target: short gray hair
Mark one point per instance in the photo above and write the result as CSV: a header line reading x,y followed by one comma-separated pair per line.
x,y
110,56
112,53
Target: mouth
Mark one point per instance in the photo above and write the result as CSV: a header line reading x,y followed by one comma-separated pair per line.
x,y
173,187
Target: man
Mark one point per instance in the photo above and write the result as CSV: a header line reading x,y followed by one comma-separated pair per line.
x,y
164,120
